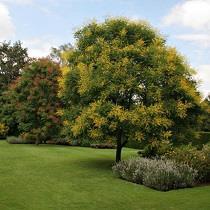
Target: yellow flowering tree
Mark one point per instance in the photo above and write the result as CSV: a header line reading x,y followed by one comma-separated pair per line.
x,y
122,82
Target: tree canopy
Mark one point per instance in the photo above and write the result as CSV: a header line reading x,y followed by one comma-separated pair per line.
x,y
36,102
122,82
56,53
205,125
13,58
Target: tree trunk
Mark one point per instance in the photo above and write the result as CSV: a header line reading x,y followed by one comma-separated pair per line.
x,y
118,152
121,142
37,142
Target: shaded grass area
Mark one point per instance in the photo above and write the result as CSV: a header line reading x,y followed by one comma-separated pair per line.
x,y
60,177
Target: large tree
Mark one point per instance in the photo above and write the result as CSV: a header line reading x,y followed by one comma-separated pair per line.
x,y
122,82
13,58
36,102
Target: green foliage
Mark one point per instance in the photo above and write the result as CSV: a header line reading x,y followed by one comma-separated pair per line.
x,y
28,137
202,138
13,58
160,174
198,140
56,53
197,159
135,144
122,82
3,130
36,101
84,143
8,110
62,141
205,125
156,148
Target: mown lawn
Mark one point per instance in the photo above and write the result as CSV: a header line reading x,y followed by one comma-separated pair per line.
x,y
60,177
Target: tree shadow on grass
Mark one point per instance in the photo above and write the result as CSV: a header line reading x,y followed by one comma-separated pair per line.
x,y
101,164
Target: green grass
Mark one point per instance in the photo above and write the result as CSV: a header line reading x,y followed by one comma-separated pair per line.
x,y
60,177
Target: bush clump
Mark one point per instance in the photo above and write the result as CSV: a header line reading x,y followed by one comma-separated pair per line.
x,y
103,146
155,149
28,138
159,174
195,158
62,141
166,174
15,140
3,131
203,138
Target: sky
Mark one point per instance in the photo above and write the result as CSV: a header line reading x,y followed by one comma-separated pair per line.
x,y
42,24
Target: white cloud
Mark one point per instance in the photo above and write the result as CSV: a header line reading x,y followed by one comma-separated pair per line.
x,y
198,38
192,13
7,29
17,1
45,10
204,76
40,47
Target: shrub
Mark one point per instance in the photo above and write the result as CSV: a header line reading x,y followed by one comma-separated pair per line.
x,y
103,146
132,169
75,142
197,159
204,138
72,142
62,141
206,154
28,137
15,140
160,174
198,140
18,140
50,142
155,148
3,131
84,143
165,174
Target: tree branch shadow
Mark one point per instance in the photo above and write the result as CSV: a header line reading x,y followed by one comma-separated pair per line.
x,y
101,164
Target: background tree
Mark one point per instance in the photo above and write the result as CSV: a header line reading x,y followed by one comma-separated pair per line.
x,y
56,53
36,101
13,58
206,115
8,110
123,83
